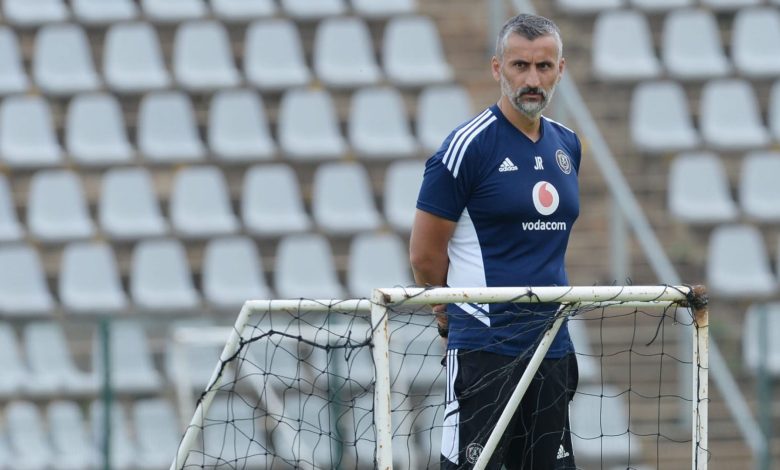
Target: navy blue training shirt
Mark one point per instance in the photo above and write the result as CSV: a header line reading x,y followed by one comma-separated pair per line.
x,y
514,201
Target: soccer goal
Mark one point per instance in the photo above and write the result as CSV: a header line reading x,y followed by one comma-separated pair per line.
x,y
360,383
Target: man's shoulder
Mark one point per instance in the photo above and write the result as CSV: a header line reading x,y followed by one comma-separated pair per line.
x,y
561,129
465,137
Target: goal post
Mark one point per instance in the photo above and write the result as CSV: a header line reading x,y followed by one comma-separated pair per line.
x,y
329,351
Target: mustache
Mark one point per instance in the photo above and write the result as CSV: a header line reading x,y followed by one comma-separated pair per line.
x,y
532,90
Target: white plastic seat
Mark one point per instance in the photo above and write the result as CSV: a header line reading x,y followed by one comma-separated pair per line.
x,y
729,5
699,190
72,445
306,417
273,55
10,228
23,288
730,116
232,273
402,184
271,202
378,126
102,12
381,9
238,127
660,6
200,203
132,366
14,375
305,268
13,79
344,53
310,10
308,127
581,7
774,111
623,47
191,365
588,366
128,207
759,194
52,369
157,431
600,426
25,13
202,57
57,207
416,351
27,436
239,423
377,260
343,200
660,119
95,130
738,264
167,131
124,451
440,108
173,11
160,276
243,10
27,138
755,40
62,60
691,46
412,54
133,59
89,279
751,331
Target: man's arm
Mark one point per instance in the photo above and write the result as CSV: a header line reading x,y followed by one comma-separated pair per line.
x,y
428,256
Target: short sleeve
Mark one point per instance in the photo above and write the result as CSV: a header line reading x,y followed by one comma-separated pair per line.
x,y
446,183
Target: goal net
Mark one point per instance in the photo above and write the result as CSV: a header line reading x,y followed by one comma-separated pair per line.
x,y
360,383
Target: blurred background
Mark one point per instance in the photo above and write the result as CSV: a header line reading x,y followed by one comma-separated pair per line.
x,y
164,160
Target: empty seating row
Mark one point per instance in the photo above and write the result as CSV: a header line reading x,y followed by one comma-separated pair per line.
x,y
237,129
61,437
738,264
699,191
24,13
596,6
271,203
729,117
161,280
202,59
691,46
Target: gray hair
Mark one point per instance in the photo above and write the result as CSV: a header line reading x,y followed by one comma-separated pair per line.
x,y
529,27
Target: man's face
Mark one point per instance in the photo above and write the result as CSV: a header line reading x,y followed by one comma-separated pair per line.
x,y
528,73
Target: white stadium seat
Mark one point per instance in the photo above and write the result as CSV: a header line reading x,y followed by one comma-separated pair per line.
x,y
232,273
660,119
440,109
14,373
167,130
377,260
587,6
160,277
57,207
759,193
62,61
660,6
133,60
738,264
89,279
691,46
23,288
200,203
311,10
13,79
124,453
377,9
344,53
623,47
412,54
774,111
305,268
27,138
202,57
173,11
753,328
730,116
53,371
157,430
343,200
10,228
729,5
27,435
402,184
72,444
308,127
102,12
699,190
271,202
238,129
95,131
378,125
25,13
243,10
755,40
128,207
273,55
130,358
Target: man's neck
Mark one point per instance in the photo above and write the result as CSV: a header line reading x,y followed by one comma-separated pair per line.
x,y
529,127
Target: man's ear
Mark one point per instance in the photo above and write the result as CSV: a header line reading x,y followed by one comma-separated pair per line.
x,y
495,68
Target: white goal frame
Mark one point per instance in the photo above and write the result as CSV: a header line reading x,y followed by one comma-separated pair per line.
x,y
569,297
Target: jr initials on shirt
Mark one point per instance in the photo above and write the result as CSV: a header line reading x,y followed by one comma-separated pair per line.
x,y
539,164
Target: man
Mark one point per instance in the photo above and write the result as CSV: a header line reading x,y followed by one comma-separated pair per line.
x,y
496,208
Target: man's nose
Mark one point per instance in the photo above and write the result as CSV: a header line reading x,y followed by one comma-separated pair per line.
x,y
532,79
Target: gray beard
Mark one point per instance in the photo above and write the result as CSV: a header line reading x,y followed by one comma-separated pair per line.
x,y
531,110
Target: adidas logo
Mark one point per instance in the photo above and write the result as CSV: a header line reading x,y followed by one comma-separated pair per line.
x,y
507,165
562,454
